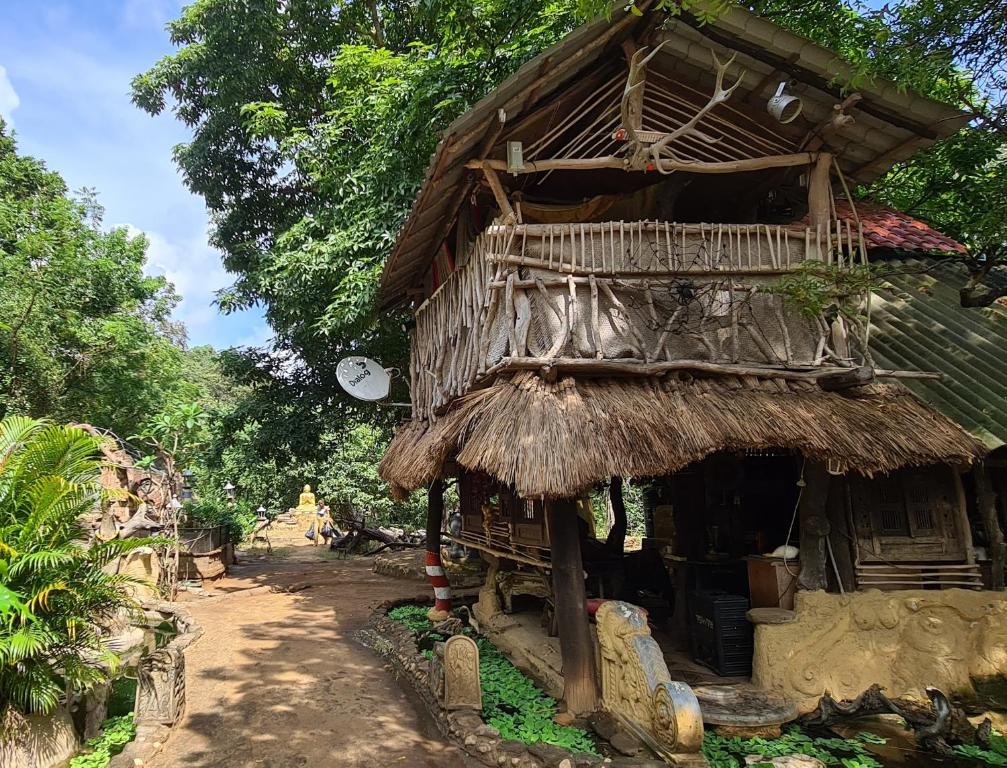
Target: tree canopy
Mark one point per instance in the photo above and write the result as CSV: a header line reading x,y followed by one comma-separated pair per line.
x,y
85,335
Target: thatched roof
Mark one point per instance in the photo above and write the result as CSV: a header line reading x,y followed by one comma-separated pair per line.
x,y
555,439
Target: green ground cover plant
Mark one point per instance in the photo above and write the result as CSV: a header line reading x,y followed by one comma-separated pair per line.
x,y
116,733
512,703
995,755
847,753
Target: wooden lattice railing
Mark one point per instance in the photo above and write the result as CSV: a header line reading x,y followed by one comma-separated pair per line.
x,y
621,293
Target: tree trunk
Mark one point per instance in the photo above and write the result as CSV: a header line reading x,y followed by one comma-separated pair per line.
x,y
814,526
580,683
986,500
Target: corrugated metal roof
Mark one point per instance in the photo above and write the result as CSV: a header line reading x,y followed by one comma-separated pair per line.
x,y
891,124
918,323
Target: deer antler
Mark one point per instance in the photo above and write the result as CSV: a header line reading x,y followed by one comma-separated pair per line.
x,y
720,95
632,96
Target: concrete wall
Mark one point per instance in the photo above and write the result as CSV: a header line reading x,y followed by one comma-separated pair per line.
x,y
44,741
953,639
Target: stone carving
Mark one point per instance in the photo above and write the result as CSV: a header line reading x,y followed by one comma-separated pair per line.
x,y
160,690
636,685
903,641
461,674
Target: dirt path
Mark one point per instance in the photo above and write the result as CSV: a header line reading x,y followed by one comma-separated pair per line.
x,y
278,681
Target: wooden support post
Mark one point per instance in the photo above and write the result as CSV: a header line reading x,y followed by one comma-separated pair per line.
x,y
580,681
986,500
814,526
435,570
616,540
840,536
819,205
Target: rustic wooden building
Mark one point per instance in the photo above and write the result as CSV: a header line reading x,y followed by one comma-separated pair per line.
x,y
635,259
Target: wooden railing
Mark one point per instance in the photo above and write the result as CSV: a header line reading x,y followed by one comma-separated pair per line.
x,y
663,248
623,294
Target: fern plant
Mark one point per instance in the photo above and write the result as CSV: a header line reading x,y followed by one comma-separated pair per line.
x,y
55,597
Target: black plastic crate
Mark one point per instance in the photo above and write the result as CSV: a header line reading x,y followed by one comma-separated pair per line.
x,y
722,637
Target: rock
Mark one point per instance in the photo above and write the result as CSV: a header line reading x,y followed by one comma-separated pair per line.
x,y
787,761
626,743
567,763
604,724
511,747
547,753
564,718
487,731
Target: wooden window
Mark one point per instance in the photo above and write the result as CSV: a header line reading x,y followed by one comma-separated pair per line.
x,y
908,515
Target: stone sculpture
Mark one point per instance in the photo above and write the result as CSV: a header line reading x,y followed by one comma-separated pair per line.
x,y
637,687
462,689
160,690
306,501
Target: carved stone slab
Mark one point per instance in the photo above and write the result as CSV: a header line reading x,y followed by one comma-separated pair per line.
x,y
160,690
637,688
461,674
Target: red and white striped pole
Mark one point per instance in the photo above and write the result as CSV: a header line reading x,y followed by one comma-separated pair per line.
x,y
435,570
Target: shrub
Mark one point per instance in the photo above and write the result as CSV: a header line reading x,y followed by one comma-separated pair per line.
x,y
55,597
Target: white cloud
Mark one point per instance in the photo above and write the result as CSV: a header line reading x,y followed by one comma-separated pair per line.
x,y
137,14
9,99
194,268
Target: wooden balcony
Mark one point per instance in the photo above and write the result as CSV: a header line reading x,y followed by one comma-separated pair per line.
x,y
620,298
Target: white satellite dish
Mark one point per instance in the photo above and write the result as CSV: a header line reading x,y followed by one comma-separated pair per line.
x,y
363,378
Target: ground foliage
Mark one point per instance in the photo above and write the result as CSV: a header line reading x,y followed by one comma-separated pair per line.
x,y
512,703
116,733
996,754
724,752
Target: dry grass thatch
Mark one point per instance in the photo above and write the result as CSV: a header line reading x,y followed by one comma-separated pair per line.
x,y
555,439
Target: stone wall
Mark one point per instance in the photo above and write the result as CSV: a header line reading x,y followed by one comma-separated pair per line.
x,y
953,639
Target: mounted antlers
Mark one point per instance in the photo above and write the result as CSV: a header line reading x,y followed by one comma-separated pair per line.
x,y
648,146
720,95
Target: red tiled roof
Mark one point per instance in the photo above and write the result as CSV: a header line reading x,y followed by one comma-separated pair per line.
x,y
887,228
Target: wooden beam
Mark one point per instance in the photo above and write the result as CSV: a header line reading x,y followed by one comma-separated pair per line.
x,y
580,678
499,195
819,199
840,379
667,165
814,526
592,366
986,501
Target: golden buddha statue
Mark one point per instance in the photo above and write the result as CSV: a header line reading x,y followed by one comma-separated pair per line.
x,y
306,501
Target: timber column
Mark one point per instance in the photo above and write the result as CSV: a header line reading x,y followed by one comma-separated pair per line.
x,y
580,678
435,570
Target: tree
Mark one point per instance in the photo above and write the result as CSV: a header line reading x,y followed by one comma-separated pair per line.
x,y
311,135
84,333
57,599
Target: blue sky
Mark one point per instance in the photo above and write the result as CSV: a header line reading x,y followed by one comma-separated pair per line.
x,y
65,69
